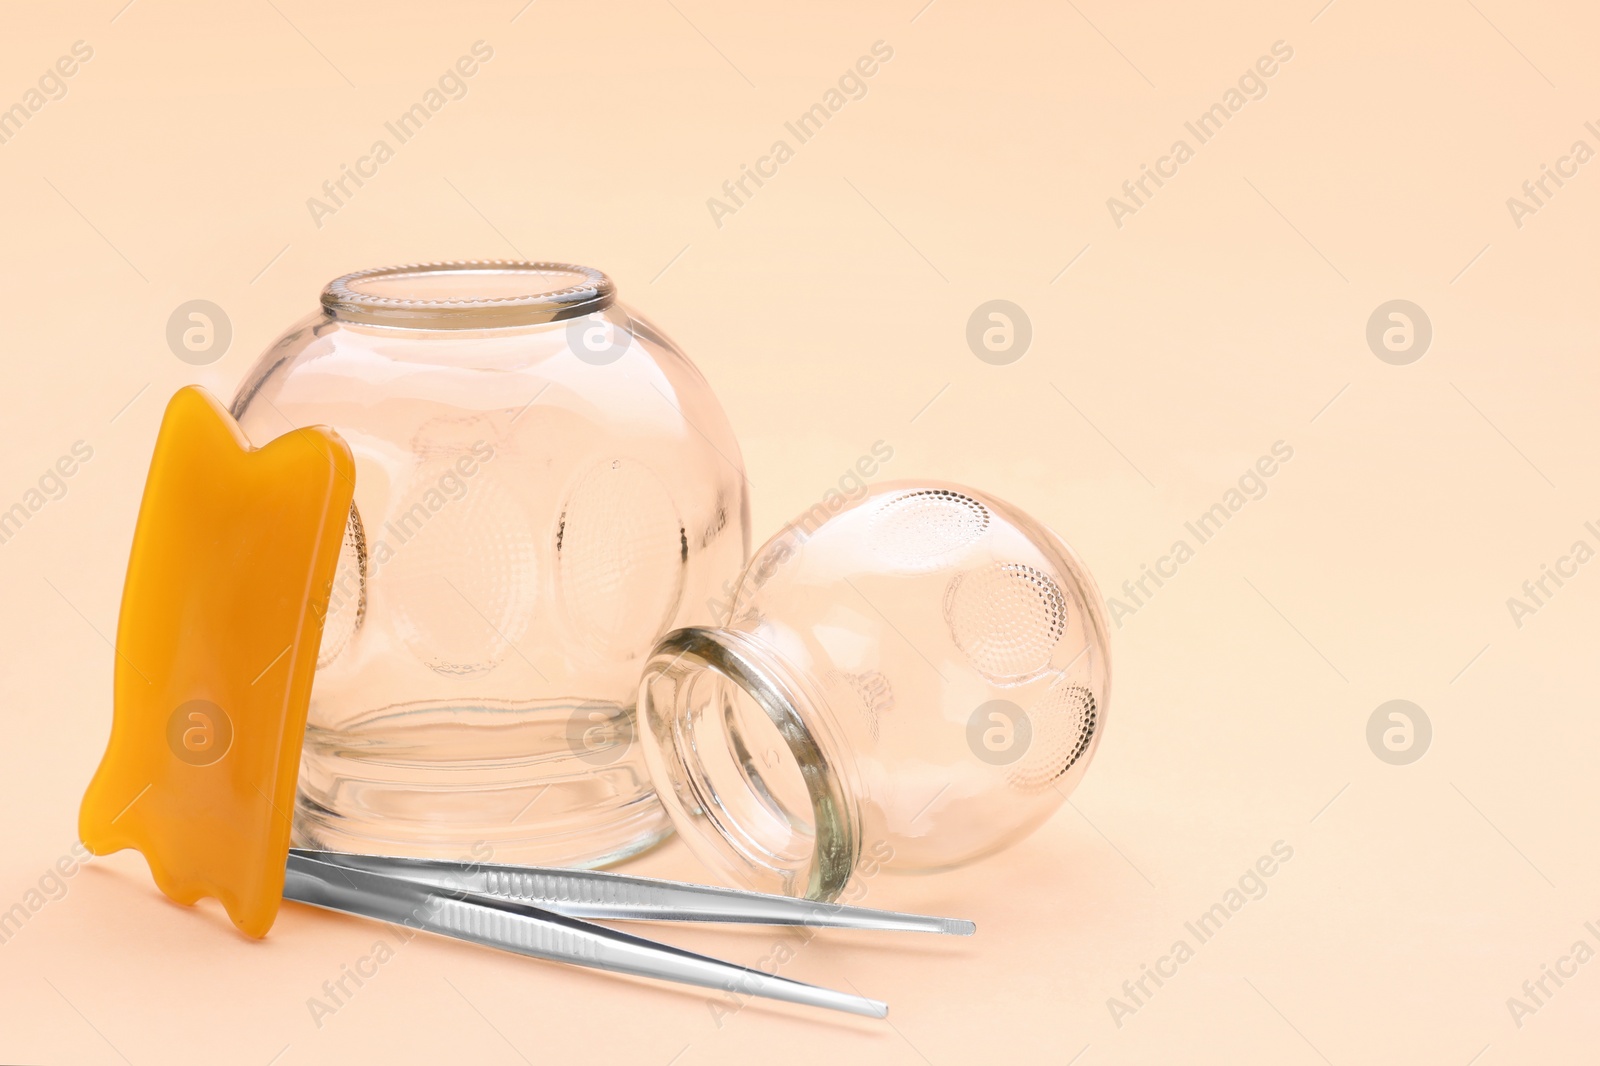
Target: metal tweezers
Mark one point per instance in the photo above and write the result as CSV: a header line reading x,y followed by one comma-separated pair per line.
x,y
539,912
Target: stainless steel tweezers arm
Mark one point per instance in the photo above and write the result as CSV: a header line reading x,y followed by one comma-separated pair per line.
x,y
621,897
515,911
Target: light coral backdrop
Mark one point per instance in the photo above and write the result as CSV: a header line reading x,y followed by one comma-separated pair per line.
x,y
1161,338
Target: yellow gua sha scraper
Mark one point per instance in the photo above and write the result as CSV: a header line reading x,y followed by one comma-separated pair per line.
x,y
232,563
233,558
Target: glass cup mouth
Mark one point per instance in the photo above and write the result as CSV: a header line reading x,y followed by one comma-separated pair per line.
x,y
741,758
469,294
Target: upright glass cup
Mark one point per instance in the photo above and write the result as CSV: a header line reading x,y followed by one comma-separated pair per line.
x,y
910,684
545,485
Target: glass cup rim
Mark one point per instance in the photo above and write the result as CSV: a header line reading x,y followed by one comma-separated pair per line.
x,y
592,291
753,668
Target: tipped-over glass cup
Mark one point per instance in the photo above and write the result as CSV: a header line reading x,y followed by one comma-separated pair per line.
x,y
911,683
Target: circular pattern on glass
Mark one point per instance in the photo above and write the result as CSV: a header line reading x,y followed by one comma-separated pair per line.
x,y
599,340
460,565
917,529
1064,722
199,332
873,694
199,732
999,732
621,550
347,597
1007,619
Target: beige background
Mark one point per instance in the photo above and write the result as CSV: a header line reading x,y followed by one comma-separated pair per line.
x,y
830,312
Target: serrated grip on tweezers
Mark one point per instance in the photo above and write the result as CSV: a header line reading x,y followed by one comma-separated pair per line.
x,y
528,930
622,897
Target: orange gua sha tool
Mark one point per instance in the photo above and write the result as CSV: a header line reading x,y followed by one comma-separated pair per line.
x,y
228,581
233,561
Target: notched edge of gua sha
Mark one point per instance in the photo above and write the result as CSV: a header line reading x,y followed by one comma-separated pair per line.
x,y
227,587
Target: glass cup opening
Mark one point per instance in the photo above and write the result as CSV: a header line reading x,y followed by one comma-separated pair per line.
x,y
744,766
935,665
471,294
